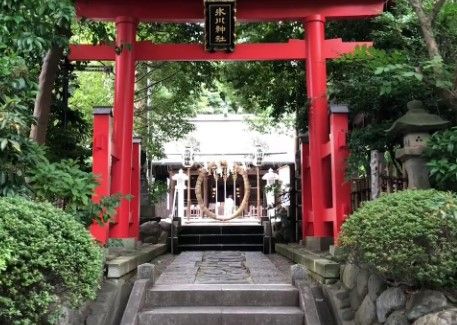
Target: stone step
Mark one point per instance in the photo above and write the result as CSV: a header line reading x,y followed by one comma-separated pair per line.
x,y
234,315
192,239
128,260
216,247
321,269
227,229
221,295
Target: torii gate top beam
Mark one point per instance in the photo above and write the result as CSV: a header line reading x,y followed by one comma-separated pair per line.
x,y
187,11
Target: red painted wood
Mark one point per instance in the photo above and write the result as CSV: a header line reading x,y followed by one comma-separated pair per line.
x,y
123,123
306,204
335,48
248,10
134,226
341,188
329,215
147,51
326,150
293,50
316,80
87,52
101,167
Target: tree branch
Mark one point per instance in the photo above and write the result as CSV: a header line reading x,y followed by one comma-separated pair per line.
x,y
437,8
427,31
154,83
153,69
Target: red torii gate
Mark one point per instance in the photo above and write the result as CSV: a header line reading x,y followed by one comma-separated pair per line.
x,y
325,193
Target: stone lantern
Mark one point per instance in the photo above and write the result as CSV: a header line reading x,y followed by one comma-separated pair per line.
x,y
416,126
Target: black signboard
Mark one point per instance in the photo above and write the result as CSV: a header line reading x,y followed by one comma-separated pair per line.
x,y
220,25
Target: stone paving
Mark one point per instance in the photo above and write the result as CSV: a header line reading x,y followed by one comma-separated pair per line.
x,y
161,263
282,263
222,267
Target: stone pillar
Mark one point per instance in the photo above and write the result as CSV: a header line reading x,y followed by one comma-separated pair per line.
x,y
205,189
412,157
101,165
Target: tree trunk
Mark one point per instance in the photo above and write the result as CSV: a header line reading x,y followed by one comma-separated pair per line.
x,y
427,31
376,168
42,109
449,96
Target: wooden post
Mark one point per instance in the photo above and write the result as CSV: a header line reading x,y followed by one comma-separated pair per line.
x,y
216,207
171,200
258,192
234,190
225,188
124,95
101,151
188,193
134,225
316,80
205,190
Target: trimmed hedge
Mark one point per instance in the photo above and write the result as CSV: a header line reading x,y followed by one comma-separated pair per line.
x,y
46,258
409,237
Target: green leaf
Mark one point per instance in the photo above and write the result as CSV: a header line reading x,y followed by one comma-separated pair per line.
x,y
3,144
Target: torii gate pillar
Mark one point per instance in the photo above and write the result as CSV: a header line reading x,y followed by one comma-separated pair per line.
x,y
316,81
325,194
124,94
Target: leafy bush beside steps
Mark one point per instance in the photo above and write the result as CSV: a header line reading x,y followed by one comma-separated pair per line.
x,y
409,237
46,257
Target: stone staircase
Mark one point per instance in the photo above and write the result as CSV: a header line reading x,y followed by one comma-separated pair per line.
x,y
212,304
217,287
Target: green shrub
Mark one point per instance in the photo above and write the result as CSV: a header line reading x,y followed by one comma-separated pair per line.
x,y
408,237
442,155
66,186
46,257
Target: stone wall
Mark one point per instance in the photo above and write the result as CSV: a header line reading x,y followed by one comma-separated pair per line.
x,y
363,298
107,309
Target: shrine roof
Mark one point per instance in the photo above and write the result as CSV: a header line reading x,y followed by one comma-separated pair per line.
x,y
230,137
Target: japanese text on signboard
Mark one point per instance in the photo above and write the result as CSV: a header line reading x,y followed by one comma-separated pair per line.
x,y
220,23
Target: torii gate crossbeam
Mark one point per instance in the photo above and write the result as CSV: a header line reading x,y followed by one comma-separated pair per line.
x,y
325,193
147,51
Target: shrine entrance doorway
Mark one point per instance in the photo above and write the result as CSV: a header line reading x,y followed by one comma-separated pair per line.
x,y
325,195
